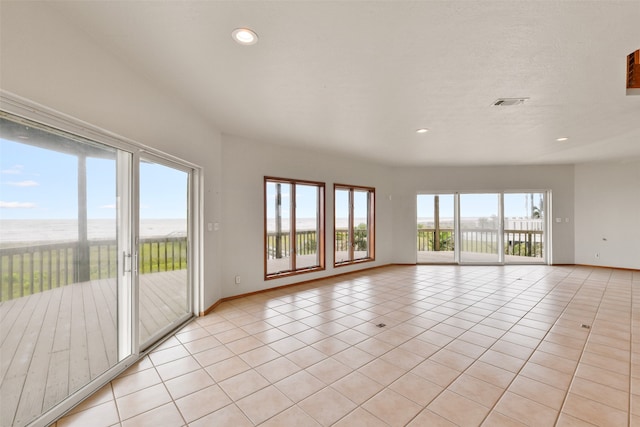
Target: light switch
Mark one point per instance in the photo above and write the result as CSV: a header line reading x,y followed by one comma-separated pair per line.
x,y
209,226
216,226
558,219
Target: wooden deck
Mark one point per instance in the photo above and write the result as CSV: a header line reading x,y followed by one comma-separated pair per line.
x,y
444,257
54,342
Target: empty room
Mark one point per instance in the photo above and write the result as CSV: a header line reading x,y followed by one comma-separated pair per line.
x,y
316,213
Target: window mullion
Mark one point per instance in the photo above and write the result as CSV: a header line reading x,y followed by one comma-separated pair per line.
x,y
292,227
352,242
370,226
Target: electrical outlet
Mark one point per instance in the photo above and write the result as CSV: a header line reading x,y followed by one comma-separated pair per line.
x,y
237,280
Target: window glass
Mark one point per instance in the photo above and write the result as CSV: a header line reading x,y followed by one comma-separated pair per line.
x,y
294,223
354,224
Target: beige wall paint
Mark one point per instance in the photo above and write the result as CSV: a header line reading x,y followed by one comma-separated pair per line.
x,y
607,204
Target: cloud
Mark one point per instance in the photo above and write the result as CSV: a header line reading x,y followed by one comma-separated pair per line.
x,y
17,205
108,207
24,183
13,170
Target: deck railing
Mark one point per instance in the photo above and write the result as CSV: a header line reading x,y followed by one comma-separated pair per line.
x,y
427,239
31,269
523,243
516,242
306,242
278,244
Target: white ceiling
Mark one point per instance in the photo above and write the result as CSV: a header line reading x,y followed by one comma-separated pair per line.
x,y
358,78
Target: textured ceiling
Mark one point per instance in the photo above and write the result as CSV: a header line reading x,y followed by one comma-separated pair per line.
x,y
358,78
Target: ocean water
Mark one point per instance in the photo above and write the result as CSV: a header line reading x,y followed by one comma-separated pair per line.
x,y
306,224
25,231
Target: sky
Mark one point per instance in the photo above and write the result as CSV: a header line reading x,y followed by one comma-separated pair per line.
x,y
478,205
36,183
306,202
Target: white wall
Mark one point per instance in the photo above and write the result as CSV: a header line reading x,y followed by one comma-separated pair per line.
x,y
407,182
245,164
607,205
46,60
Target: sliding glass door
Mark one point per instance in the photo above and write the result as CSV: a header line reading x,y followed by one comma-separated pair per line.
x,y
64,243
85,286
163,258
479,228
436,228
524,225
482,228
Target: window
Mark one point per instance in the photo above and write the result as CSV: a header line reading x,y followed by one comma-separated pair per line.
x,y
354,224
294,226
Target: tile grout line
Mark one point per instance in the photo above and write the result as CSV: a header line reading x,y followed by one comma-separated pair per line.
x,y
505,332
164,384
391,290
584,346
631,348
397,346
506,388
453,315
453,338
115,402
541,299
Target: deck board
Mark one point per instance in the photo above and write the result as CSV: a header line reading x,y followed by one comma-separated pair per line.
x,y
8,316
57,386
63,323
15,334
20,364
152,315
32,390
96,346
79,372
440,257
174,303
161,299
54,342
107,319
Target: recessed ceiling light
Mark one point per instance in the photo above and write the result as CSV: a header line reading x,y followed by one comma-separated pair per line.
x,y
244,36
564,138
422,130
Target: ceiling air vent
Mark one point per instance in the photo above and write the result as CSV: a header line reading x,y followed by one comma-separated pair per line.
x,y
505,102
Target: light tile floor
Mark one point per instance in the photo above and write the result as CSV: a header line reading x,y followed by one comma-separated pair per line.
x,y
461,346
